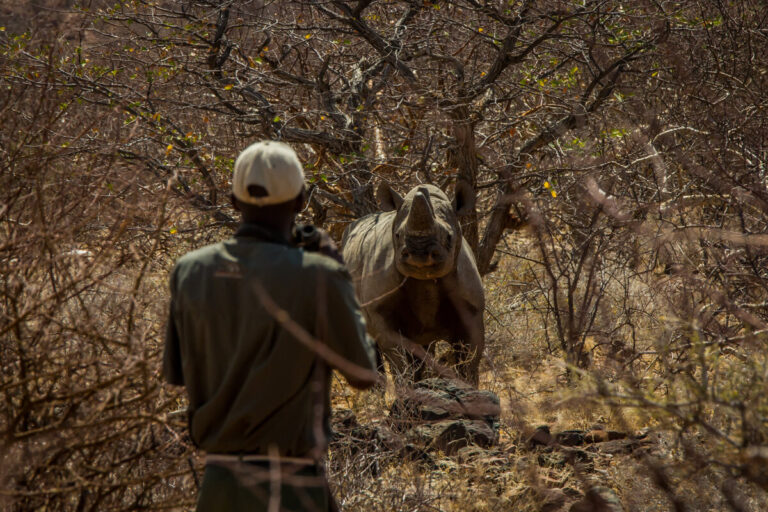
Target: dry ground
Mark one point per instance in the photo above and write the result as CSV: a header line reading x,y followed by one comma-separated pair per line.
x,y
528,374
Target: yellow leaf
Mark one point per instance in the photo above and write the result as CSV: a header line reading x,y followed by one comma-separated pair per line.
x,y
228,87
546,184
554,194
480,29
173,230
482,73
307,36
168,149
528,165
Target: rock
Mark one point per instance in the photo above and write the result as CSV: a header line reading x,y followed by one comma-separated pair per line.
x,y
598,499
437,399
540,437
433,413
601,436
437,414
447,415
619,446
449,436
570,438
596,436
552,500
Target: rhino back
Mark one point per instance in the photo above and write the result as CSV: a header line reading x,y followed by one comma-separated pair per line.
x,y
369,255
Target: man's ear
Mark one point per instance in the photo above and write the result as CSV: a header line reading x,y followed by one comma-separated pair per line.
x,y
388,199
301,201
464,199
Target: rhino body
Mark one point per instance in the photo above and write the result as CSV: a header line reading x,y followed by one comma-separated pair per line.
x,y
416,279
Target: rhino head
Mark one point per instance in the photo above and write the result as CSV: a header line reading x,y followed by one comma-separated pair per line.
x,y
426,235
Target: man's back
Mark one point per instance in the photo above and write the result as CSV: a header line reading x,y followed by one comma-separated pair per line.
x,y
252,385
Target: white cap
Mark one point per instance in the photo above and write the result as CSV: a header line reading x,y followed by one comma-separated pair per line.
x,y
271,165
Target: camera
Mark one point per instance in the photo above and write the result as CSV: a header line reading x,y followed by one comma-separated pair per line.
x,y
307,237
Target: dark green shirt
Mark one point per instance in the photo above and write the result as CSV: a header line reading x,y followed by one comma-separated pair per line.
x,y
252,385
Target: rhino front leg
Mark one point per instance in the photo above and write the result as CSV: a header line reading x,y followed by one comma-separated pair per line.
x,y
403,363
390,347
469,343
468,351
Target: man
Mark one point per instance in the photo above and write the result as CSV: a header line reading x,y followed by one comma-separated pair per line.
x,y
255,326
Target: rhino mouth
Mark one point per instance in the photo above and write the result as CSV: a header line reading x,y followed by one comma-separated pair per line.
x,y
423,270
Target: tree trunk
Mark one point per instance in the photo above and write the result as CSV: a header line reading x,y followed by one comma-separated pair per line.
x,y
464,158
497,223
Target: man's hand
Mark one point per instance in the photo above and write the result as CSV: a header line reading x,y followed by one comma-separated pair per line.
x,y
328,246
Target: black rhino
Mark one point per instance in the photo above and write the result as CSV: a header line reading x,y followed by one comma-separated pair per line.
x,y
416,278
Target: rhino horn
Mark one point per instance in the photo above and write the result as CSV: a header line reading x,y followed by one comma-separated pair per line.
x,y
421,217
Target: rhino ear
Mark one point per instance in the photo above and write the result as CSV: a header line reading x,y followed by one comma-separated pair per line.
x,y
388,199
464,200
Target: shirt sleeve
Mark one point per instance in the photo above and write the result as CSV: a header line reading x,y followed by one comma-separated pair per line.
x,y
344,329
172,350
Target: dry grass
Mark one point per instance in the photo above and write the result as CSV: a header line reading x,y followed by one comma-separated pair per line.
x,y
531,380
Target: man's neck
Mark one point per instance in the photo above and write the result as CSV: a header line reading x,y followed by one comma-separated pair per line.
x,y
278,233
